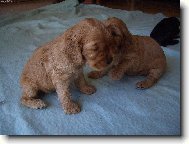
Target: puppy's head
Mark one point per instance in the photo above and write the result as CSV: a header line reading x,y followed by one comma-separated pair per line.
x,y
98,52
99,46
119,31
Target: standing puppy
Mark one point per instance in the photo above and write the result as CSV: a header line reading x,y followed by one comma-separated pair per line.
x,y
138,55
56,64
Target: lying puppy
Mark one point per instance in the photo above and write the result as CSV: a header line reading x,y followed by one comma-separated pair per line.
x,y
56,64
139,55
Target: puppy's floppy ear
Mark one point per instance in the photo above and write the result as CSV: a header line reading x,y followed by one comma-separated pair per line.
x,y
114,30
117,36
128,40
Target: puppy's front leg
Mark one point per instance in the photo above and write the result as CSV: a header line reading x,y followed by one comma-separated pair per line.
x,y
62,89
83,85
97,74
117,72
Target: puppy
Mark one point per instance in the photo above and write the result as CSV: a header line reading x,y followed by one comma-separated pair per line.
x,y
138,55
56,64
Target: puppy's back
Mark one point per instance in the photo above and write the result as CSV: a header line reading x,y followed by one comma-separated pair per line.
x,y
149,45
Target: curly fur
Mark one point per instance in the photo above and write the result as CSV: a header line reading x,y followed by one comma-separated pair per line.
x,y
138,55
56,64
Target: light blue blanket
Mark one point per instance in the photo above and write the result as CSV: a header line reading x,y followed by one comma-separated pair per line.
x,y
117,108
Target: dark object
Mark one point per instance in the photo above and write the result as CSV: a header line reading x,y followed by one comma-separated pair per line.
x,y
166,31
58,1
81,1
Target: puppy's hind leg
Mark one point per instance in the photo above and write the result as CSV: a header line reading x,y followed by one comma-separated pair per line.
x,y
151,79
29,98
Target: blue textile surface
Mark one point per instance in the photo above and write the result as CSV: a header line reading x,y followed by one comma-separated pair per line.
x,y
117,108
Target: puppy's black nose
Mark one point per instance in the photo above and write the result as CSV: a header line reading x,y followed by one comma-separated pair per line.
x,y
109,61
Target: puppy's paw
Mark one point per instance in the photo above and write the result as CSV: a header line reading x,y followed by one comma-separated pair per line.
x,y
88,89
34,103
144,84
114,74
95,74
72,108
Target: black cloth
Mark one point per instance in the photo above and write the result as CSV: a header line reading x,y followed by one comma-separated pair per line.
x,y
166,31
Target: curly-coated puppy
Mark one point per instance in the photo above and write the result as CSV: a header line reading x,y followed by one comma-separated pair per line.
x,y
139,55
56,64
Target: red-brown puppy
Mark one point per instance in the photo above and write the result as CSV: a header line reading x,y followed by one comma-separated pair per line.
x,y
138,55
56,64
